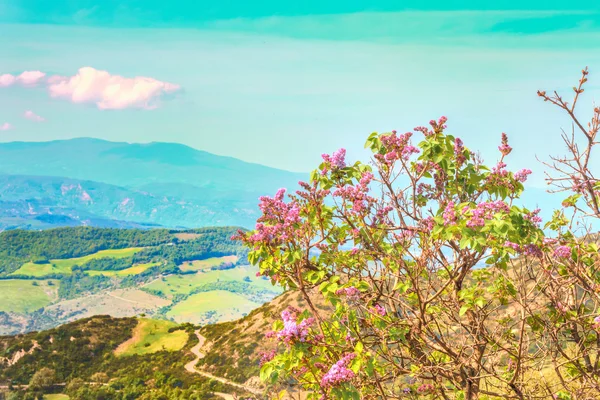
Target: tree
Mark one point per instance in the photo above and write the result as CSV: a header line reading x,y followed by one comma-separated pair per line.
x,y
100,377
43,379
440,285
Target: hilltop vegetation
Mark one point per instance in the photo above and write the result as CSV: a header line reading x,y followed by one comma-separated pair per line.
x,y
82,359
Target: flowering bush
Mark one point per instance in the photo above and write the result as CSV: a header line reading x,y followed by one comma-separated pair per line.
x,y
440,286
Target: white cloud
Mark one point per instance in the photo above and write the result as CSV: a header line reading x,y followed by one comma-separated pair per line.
x,y
33,116
5,127
109,92
26,78
90,85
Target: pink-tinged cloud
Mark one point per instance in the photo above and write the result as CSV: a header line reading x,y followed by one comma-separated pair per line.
x,y
109,92
7,80
33,116
27,78
5,127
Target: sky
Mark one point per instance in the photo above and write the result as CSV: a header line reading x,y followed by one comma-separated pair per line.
x,y
280,83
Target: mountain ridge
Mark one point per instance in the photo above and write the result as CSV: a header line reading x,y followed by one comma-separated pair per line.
x,y
168,184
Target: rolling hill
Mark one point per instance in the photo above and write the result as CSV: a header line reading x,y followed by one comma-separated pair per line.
x,y
90,182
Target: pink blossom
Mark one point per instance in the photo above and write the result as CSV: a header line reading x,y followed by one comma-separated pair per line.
x,y
485,211
378,309
459,150
266,356
522,175
352,294
504,148
534,217
337,159
449,214
425,388
293,331
562,252
339,372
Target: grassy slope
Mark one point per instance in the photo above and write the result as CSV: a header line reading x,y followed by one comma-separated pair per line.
x,y
234,347
22,296
64,266
133,270
185,284
198,265
225,303
150,336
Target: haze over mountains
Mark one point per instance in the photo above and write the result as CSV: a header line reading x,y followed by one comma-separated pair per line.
x,y
95,182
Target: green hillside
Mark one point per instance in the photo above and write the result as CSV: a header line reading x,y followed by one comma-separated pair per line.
x,y
82,359
51,277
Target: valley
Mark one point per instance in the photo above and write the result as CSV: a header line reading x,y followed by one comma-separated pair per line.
x,y
53,277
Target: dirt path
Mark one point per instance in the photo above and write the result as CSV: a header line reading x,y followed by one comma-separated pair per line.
x,y
191,367
127,300
135,337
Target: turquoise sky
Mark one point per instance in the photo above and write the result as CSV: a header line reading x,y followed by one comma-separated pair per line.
x,y
279,83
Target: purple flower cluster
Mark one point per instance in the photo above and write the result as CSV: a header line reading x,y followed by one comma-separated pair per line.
x,y
352,294
396,147
292,330
379,310
504,148
278,218
266,356
425,388
357,194
459,151
500,177
449,214
562,252
534,217
597,322
337,160
529,249
522,175
485,211
339,372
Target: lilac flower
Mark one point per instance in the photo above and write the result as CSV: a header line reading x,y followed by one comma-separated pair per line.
x,y
504,148
337,160
425,388
449,214
534,217
562,252
597,322
522,175
532,250
266,356
352,294
459,150
486,211
339,372
292,331
378,309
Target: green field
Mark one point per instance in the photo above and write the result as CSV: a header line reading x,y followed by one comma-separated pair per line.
x,y
64,266
151,336
133,270
185,284
224,303
22,296
198,265
58,396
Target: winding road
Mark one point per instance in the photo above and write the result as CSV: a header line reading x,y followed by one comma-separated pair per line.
x,y
191,367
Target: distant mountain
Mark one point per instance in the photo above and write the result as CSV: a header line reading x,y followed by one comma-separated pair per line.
x,y
91,181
